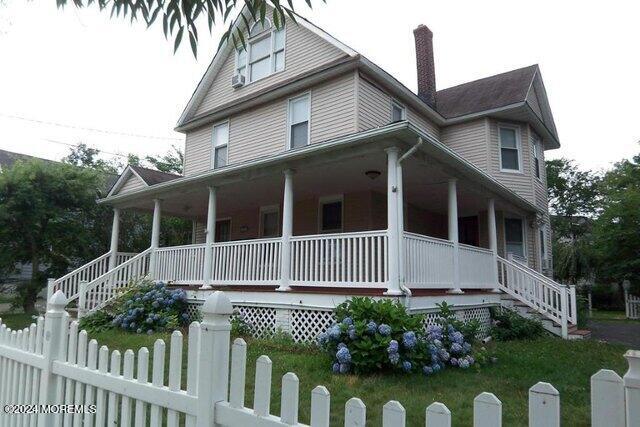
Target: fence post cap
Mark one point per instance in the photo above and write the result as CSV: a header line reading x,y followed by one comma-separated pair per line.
x,y
57,302
217,303
544,388
633,374
488,398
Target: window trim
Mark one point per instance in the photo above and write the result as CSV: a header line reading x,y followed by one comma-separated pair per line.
x,y
289,123
272,52
518,148
524,234
268,209
401,107
213,146
326,200
537,145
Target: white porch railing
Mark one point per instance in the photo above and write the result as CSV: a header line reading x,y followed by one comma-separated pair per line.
x,y
247,261
477,268
552,299
352,259
69,283
428,261
96,293
180,264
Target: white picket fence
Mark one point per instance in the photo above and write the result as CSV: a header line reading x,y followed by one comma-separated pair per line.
x,y
632,306
51,362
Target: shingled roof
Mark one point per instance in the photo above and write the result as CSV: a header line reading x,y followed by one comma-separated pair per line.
x,y
152,177
8,158
486,94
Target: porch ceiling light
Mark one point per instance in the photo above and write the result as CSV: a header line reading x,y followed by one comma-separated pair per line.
x,y
372,174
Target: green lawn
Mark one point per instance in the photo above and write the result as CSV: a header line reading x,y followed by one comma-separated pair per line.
x,y
611,315
567,365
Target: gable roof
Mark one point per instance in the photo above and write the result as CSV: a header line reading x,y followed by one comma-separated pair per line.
x,y
8,158
227,47
486,94
147,176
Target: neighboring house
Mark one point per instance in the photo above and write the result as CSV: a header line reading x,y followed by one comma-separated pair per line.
x,y
312,172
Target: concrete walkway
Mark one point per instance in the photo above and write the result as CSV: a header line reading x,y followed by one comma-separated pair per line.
x,y
616,332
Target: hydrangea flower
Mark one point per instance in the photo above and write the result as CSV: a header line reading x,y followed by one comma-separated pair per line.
x,y
150,331
340,345
351,332
348,321
372,327
384,329
437,343
344,368
393,347
139,330
428,370
444,354
394,358
409,340
406,366
334,332
466,347
343,355
456,348
336,368
436,367
322,338
463,363
453,361
456,337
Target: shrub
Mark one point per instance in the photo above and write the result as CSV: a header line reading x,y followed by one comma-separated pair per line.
x,y
144,307
372,336
509,325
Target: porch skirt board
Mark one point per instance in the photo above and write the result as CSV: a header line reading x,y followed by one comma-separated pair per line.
x,y
304,325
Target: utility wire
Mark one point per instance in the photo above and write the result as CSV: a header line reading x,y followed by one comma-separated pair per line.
x,y
104,131
68,144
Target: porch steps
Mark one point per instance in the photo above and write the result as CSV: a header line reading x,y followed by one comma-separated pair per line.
x,y
528,312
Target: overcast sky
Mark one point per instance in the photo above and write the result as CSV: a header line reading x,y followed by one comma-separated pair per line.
x,y
80,69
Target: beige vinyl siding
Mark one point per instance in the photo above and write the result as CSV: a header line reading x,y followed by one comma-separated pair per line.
x,y
521,183
374,110
468,140
541,197
304,51
333,109
262,131
197,151
132,183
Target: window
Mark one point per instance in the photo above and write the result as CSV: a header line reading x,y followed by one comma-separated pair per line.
x,y
269,221
264,53
509,148
220,143
299,121
223,230
514,236
331,215
537,150
398,112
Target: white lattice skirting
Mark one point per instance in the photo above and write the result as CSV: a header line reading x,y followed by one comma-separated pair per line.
x,y
304,325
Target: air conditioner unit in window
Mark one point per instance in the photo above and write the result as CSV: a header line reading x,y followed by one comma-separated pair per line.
x,y
237,81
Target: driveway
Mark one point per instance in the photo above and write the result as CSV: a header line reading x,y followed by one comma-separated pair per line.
x,y
616,332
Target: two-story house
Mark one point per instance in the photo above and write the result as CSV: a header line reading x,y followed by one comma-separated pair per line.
x,y
312,175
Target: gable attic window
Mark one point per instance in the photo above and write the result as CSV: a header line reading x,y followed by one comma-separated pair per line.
x,y
264,53
509,148
220,142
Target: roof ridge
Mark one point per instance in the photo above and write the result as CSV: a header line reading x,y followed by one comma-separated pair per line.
x,y
488,77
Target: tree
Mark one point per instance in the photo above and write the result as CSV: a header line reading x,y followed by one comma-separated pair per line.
x,y
85,156
176,15
171,162
44,221
617,229
573,201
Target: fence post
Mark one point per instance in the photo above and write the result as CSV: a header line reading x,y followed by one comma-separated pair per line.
x,y
213,360
564,312
52,350
82,298
632,388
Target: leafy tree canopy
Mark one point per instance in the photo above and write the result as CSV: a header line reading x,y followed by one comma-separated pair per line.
x,y
180,18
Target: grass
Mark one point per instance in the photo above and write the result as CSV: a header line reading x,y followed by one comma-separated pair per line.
x,y
568,365
607,315
17,320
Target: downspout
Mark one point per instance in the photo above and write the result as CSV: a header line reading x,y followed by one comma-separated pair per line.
x,y
405,156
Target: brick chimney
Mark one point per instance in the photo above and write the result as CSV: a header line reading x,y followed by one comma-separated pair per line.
x,y
424,64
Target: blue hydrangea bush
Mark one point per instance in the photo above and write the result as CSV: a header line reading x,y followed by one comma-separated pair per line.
x,y
379,335
144,307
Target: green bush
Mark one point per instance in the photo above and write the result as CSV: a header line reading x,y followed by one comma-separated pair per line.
x,y
379,335
143,307
509,325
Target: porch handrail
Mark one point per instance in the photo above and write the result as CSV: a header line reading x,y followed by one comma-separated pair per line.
x,y
552,299
427,238
95,294
334,235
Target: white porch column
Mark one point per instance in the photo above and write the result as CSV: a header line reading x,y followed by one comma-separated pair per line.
x,y
400,196
393,287
493,238
210,237
155,235
287,231
115,231
453,234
